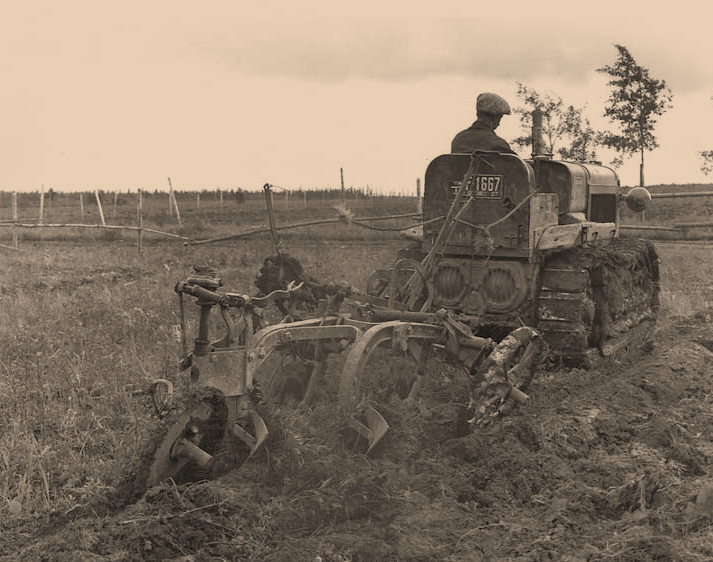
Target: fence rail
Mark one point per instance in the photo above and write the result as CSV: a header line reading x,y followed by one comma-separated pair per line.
x,y
251,210
290,207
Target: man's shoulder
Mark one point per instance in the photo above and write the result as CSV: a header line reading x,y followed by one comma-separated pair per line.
x,y
479,137
462,140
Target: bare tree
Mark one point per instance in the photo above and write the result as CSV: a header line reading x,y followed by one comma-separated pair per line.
x,y
635,101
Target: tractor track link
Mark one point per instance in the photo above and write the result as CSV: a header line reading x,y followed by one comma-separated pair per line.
x,y
595,301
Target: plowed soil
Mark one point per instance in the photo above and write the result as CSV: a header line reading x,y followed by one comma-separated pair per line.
x,y
611,463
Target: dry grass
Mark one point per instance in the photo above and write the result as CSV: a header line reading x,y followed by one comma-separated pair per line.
x,y
86,326
686,279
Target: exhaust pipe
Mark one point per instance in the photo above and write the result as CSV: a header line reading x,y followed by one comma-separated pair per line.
x,y
538,142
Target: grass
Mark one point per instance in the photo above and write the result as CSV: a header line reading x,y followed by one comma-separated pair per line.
x,y
211,220
80,330
86,324
686,286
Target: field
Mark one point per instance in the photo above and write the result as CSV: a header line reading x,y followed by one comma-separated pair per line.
x,y
601,465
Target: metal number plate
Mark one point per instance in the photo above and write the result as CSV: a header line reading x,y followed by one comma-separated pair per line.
x,y
487,186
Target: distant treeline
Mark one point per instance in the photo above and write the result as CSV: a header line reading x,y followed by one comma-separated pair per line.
x,y
683,188
239,196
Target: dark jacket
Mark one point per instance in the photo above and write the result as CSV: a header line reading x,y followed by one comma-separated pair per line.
x,y
479,136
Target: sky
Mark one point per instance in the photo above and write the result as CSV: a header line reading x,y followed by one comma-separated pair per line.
x,y
216,94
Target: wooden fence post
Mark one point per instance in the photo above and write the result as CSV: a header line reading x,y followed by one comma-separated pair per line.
x,y
172,199
14,219
139,220
99,204
42,212
419,201
42,204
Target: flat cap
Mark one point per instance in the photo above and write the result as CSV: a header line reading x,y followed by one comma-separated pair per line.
x,y
492,104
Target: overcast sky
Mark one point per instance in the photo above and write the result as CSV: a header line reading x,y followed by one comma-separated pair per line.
x,y
213,94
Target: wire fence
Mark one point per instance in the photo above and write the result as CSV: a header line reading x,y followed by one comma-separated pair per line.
x,y
182,215
173,215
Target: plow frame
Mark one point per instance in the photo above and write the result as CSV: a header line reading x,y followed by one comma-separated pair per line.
x,y
231,363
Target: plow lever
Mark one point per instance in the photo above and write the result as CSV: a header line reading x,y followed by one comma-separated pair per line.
x,y
223,299
232,299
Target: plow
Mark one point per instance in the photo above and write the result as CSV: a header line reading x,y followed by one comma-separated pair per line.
x,y
518,260
227,371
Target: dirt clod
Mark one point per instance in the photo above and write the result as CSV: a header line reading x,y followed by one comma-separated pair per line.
x,y
606,464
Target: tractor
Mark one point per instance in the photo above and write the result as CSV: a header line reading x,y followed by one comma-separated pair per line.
x,y
518,259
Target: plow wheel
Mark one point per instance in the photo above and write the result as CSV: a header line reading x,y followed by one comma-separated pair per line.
x,y
296,375
288,380
500,378
197,445
375,371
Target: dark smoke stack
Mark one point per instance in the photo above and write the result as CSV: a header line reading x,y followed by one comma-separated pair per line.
x,y
538,143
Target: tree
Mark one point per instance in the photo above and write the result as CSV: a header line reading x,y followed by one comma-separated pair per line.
x,y
552,116
707,157
559,124
584,140
635,101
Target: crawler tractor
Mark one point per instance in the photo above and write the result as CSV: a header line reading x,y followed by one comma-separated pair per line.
x,y
515,253
510,242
